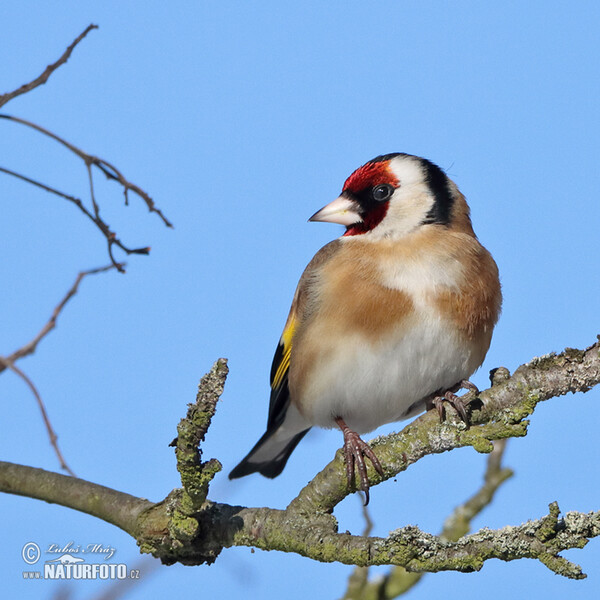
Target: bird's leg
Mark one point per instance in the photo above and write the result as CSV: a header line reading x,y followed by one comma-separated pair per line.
x,y
355,451
459,404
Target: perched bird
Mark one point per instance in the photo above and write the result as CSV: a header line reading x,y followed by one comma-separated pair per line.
x,y
387,320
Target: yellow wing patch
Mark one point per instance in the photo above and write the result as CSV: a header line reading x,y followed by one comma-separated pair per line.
x,y
286,341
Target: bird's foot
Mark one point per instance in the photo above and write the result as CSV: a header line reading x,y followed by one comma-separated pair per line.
x,y
355,450
459,404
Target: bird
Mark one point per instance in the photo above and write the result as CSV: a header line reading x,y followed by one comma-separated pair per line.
x,y
388,320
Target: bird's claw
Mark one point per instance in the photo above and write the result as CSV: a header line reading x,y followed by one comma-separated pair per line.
x,y
355,450
459,404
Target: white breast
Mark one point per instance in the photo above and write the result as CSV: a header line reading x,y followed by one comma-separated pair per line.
x,y
371,383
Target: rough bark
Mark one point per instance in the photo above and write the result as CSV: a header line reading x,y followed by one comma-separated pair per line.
x,y
186,527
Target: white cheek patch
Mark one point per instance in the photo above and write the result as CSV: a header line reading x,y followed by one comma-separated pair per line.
x,y
410,203
406,212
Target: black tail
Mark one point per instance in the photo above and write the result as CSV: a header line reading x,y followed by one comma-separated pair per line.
x,y
269,455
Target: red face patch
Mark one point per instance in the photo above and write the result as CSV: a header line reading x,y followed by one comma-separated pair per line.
x,y
370,220
370,175
359,184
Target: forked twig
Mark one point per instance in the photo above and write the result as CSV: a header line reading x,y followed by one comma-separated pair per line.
x,y
398,581
31,346
8,362
102,226
110,171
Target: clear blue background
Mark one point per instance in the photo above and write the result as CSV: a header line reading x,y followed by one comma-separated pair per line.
x,y
242,119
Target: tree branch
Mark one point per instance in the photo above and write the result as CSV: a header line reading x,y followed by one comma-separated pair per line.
x,y
110,171
8,362
500,412
31,346
196,475
104,503
307,528
102,226
43,78
5,364
399,580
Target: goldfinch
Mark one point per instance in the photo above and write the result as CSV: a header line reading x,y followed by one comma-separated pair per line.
x,y
387,320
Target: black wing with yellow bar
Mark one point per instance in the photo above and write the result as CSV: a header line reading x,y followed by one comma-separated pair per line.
x,y
280,392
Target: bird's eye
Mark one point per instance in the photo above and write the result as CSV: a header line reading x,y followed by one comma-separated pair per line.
x,y
380,193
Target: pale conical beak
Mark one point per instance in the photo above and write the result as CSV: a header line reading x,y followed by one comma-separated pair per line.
x,y
342,210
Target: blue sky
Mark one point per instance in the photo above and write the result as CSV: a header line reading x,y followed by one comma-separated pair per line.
x,y
241,120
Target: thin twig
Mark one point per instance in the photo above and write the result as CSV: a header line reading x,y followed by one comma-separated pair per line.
x,y
4,98
102,226
119,588
368,521
109,170
92,194
458,523
6,364
31,346
359,579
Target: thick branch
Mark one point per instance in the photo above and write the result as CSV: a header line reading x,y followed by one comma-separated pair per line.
x,y
41,79
109,505
399,580
222,525
307,529
500,413
196,475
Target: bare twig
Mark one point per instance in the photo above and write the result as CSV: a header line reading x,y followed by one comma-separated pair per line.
x,y
110,171
51,433
102,226
459,522
359,578
31,346
41,79
118,589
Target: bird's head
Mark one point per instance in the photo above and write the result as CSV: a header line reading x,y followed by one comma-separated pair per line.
x,y
393,195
